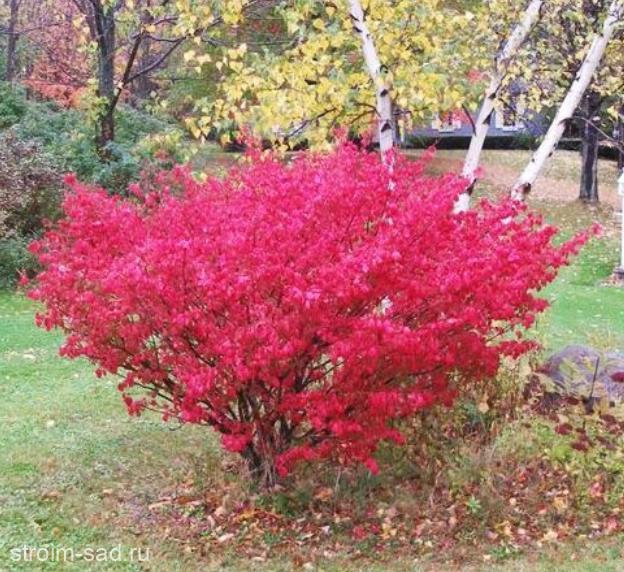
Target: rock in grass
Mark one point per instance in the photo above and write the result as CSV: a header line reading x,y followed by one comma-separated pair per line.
x,y
586,373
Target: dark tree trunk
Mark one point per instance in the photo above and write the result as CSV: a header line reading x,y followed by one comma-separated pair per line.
x,y
270,439
105,134
106,80
101,21
11,55
143,85
589,148
261,467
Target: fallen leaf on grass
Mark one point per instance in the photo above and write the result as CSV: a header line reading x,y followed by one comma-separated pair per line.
x,y
225,537
550,536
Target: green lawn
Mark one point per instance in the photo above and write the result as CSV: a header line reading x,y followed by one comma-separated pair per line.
x,y
584,309
77,472
70,456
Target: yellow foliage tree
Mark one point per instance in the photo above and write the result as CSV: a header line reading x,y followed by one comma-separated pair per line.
x,y
312,76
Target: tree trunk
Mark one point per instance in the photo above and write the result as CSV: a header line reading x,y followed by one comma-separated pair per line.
x,y
143,84
482,124
589,149
13,37
261,468
104,28
377,72
571,101
105,134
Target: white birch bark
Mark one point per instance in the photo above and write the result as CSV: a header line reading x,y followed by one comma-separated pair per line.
x,y
571,101
382,97
482,124
375,70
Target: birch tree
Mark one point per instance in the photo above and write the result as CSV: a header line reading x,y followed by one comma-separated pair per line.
x,y
570,103
313,78
547,64
386,132
482,123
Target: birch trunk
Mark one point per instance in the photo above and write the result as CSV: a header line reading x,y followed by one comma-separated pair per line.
x,y
385,121
376,72
482,124
571,101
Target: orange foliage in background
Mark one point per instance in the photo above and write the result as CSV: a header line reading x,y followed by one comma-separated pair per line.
x,y
60,70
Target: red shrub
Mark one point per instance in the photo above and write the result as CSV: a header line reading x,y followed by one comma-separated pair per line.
x,y
299,310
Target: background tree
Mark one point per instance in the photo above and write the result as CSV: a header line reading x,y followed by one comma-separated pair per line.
x,y
572,64
508,51
386,131
60,65
12,33
313,78
118,56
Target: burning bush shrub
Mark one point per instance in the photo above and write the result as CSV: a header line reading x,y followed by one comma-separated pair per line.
x,y
299,310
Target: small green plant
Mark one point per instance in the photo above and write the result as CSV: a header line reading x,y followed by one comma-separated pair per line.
x,y
473,505
272,538
505,551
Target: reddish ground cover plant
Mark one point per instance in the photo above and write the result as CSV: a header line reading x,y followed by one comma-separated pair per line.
x,y
300,310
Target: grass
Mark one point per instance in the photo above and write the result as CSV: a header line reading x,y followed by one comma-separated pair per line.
x,y
69,449
558,180
584,309
76,471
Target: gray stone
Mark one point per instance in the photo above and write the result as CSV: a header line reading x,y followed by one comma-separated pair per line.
x,y
572,371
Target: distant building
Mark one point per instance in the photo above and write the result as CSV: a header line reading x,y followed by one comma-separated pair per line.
x,y
458,124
